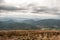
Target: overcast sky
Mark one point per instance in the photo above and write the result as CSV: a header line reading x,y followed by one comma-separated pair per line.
x,y
50,3
7,6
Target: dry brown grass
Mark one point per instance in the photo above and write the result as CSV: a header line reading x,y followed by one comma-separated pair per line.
x,y
28,34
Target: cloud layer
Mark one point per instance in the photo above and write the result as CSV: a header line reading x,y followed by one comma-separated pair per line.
x,y
31,10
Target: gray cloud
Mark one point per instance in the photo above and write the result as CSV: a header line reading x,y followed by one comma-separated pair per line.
x,y
47,10
11,8
8,8
33,8
1,1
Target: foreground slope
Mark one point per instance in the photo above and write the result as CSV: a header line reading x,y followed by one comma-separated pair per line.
x,y
30,35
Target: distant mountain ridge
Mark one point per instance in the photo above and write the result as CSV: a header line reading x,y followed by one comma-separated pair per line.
x,y
30,24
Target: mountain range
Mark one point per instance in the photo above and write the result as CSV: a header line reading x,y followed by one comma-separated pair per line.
x,y
30,24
